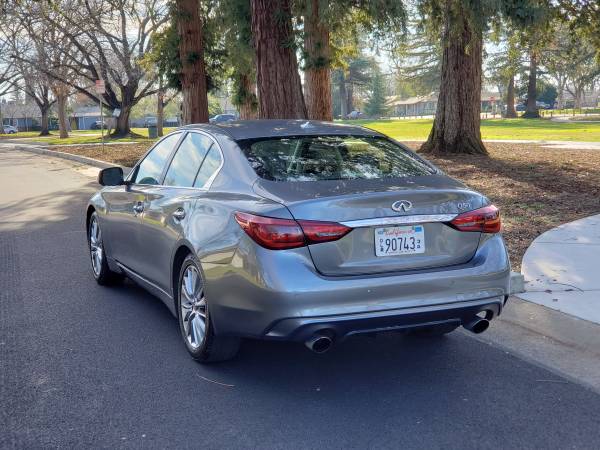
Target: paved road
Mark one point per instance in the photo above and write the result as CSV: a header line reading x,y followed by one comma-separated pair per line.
x,y
87,366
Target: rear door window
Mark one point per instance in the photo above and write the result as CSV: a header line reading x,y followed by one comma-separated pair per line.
x,y
209,168
151,168
186,162
314,158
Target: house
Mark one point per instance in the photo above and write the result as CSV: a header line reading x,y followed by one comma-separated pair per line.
x,y
24,116
83,117
425,105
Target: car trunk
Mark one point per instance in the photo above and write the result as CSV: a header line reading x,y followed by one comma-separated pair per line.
x,y
348,201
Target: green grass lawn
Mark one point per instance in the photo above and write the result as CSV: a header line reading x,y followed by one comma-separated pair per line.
x,y
535,129
406,130
81,137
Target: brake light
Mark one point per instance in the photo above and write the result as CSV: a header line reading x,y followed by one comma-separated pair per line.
x,y
280,234
484,220
316,232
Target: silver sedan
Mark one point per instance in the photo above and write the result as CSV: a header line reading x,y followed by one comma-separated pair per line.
x,y
298,230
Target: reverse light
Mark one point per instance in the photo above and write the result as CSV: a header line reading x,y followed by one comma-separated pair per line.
x,y
281,234
483,220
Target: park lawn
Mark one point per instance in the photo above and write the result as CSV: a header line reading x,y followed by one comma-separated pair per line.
x,y
85,137
537,188
503,129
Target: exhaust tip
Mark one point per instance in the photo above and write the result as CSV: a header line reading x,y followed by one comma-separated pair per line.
x,y
319,343
477,325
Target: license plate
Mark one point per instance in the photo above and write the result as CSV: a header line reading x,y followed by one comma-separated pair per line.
x,y
392,241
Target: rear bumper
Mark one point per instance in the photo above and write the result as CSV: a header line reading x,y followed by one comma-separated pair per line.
x,y
341,326
279,295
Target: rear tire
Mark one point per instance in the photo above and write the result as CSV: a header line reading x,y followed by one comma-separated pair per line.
x,y
195,323
102,273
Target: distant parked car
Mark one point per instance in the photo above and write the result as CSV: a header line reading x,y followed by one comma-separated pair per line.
x,y
221,118
98,125
521,107
9,129
355,115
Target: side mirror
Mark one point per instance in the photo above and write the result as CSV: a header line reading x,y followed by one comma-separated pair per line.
x,y
111,176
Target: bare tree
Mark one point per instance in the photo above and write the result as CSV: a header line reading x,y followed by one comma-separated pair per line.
x,y
107,41
27,63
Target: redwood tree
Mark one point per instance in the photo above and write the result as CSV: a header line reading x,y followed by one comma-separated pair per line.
x,y
531,109
191,53
278,81
317,75
457,118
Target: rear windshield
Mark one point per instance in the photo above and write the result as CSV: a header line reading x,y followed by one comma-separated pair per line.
x,y
314,158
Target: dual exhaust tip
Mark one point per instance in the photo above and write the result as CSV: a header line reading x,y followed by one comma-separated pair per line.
x,y
321,342
477,325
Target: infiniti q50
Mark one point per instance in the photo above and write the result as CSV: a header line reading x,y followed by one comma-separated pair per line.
x,y
298,230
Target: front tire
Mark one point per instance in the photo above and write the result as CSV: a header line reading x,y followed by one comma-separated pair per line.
x,y
102,273
195,323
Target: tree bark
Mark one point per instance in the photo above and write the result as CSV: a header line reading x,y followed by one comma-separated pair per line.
x,y
531,110
45,111
63,126
193,72
279,88
349,97
160,111
458,114
248,107
511,113
122,128
317,76
343,97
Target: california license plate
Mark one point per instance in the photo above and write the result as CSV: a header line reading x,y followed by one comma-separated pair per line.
x,y
406,240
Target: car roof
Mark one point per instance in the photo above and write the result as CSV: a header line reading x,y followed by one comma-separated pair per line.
x,y
252,129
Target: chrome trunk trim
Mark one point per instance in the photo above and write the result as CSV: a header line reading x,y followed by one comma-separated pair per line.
x,y
399,220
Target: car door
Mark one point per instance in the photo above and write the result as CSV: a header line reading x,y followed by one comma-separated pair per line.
x,y
125,205
168,207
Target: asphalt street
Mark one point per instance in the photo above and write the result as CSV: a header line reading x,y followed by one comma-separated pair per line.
x,y
88,366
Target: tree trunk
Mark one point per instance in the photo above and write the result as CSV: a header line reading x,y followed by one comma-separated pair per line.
x,y
279,88
122,128
63,126
317,76
458,114
160,111
578,94
248,105
193,73
511,113
531,110
561,94
343,98
349,98
45,110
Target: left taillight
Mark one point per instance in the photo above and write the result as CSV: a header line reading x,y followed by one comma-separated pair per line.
x,y
280,234
483,220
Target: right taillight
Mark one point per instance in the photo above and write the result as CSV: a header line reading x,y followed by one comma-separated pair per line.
x,y
280,234
483,220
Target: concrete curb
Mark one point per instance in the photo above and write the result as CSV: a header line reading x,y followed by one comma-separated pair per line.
x,y
517,283
77,158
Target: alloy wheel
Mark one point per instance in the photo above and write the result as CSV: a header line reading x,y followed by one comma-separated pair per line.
x,y
96,250
193,307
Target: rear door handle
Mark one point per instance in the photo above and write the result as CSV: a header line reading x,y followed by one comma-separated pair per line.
x,y
179,214
138,208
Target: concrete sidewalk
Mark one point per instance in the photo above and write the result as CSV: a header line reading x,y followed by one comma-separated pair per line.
x,y
562,269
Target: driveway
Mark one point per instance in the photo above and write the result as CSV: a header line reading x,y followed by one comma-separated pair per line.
x,y
87,366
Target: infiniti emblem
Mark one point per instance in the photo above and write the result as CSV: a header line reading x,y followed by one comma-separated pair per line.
x,y
401,205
